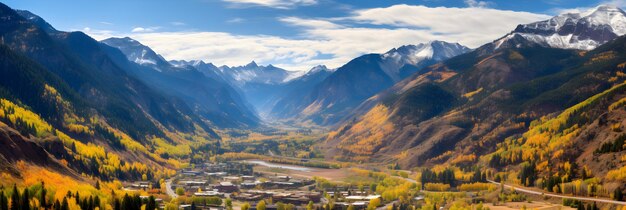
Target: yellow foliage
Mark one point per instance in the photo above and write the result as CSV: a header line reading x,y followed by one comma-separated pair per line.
x,y
14,112
602,57
366,136
477,187
163,147
464,159
437,187
617,174
79,129
470,94
617,104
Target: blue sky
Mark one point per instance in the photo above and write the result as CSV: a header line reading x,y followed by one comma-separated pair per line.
x,y
294,34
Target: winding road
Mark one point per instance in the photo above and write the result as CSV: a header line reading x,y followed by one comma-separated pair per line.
x,y
168,189
534,192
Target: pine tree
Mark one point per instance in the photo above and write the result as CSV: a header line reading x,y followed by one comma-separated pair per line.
x,y
25,200
151,203
15,199
4,203
65,205
57,205
117,205
618,195
96,202
98,185
127,202
77,197
42,197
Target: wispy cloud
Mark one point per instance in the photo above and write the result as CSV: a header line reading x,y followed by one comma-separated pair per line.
x,y
145,29
106,23
277,4
340,39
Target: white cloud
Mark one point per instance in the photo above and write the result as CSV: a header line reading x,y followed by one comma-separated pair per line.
x,y
310,23
96,33
335,41
278,4
144,30
469,26
474,3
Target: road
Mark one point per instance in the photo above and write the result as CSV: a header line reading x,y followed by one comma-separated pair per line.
x,y
534,192
168,189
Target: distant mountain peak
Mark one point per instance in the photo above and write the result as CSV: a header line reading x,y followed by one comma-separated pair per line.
x,y
319,68
583,30
138,53
252,65
418,55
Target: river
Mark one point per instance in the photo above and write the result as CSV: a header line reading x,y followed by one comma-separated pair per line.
x,y
276,165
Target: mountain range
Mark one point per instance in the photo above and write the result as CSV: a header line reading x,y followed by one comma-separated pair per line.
x,y
501,105
333,98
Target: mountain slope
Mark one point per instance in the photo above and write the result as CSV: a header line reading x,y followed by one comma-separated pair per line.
x,y
499,89
331,100
493,103
211,98
78,112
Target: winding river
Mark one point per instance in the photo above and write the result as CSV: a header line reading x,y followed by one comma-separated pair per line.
x,y
276,165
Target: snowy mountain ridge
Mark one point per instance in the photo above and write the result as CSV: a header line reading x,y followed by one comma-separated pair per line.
x,y
583,31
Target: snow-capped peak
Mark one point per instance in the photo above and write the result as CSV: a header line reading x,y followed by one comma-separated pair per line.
x,y
419,55
318,68
584,30
137,52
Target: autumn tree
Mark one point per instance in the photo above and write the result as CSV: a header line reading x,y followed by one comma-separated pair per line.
x,y
245,206
180,191
374,203
309,206
260,205
229,204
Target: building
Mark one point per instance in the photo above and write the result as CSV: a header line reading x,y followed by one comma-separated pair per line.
x,y
209,194
191,172
197,183
248,178
226,187
361,197
250,197
250,185
231,179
